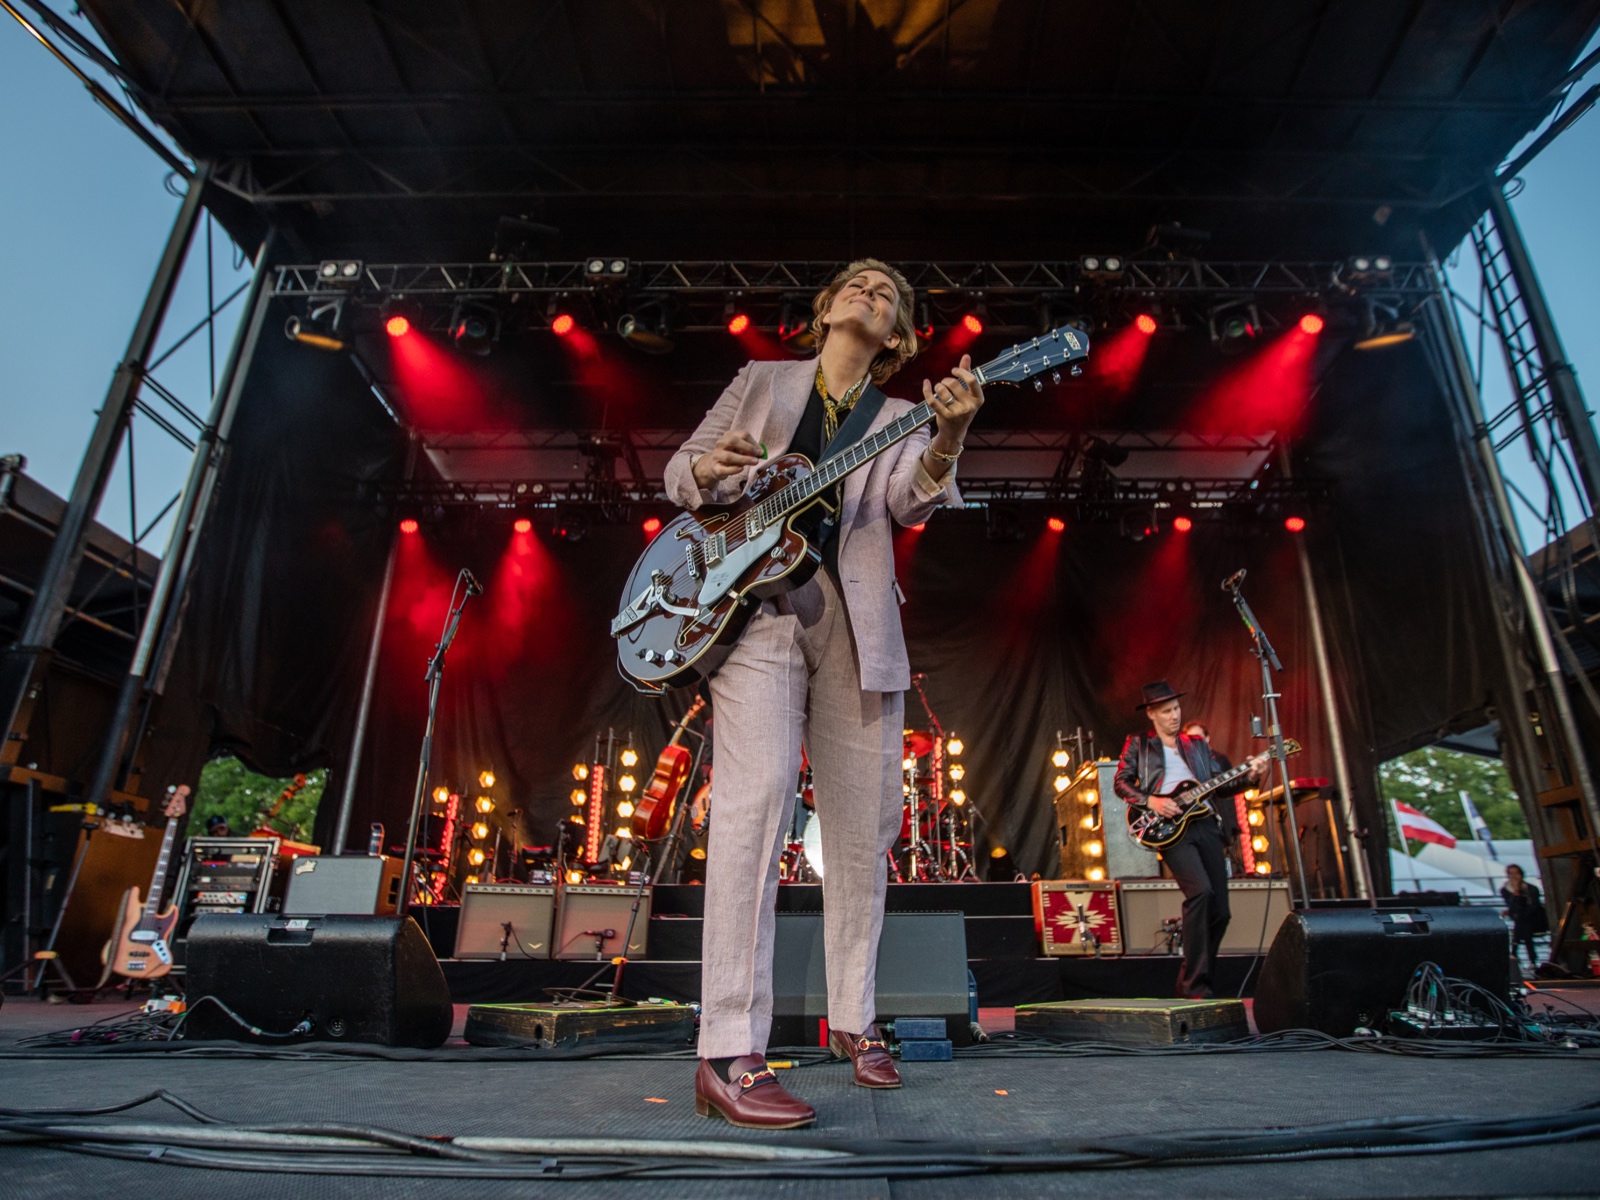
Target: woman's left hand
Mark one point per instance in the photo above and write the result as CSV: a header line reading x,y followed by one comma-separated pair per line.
x,y
955,400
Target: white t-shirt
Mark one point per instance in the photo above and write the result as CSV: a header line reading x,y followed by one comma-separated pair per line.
x,y
1176,771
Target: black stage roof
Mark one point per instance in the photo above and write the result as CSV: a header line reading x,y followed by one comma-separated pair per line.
x,y
403,129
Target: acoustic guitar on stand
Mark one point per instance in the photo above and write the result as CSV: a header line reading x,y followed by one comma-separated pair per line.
x,y
654,810
704,575
141,945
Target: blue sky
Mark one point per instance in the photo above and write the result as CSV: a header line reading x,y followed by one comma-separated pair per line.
x,y
85,211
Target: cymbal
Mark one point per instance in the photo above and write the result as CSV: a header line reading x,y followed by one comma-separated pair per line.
x,y
918,742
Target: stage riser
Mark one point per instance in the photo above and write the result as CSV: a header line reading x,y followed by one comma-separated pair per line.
x,y
678,939
1002,983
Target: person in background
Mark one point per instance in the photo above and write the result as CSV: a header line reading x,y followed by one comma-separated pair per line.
x,y
1525,907
217,826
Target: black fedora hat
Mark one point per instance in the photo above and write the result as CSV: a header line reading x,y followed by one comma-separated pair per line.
x,y
1158,692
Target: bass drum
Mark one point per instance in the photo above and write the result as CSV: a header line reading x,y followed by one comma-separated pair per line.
x,y
811,843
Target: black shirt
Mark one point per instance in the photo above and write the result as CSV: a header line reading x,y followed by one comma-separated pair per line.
x,y
807,440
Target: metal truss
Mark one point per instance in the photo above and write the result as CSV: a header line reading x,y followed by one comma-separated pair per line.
x,y
1154,278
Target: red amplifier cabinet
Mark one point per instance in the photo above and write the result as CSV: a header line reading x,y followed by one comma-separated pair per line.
x,y
1077,916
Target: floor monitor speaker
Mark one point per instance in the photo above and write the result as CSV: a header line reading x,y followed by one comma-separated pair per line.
x,y
332,978
1340,969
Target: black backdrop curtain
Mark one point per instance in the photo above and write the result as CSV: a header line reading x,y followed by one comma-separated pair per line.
x,y
1019,639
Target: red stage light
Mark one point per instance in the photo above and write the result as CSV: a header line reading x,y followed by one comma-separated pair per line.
x,y
1055,525
522,525
1182,524
1311,323
972,323
738,323
397,326
919,528
409,525
1145,324
562,324
652,525
1294,524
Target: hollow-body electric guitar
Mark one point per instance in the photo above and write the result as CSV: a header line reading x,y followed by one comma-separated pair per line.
x,y
1153,831
141,945
704,575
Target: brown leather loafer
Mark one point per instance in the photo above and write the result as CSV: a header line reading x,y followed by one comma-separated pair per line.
x,y
753,1100
869,1054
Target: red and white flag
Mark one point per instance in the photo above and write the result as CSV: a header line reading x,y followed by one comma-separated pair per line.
x,y
1419,827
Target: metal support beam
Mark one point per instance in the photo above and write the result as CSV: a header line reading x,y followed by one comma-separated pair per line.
x,y
166,596
24,664
1565,395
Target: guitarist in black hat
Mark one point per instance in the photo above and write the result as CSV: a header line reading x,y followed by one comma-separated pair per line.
x,y
1154,764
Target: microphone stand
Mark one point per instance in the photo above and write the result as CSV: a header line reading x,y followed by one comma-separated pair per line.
x,y
1261,647
434,676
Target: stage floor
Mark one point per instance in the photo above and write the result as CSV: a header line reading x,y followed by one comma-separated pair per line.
x,y
972,1098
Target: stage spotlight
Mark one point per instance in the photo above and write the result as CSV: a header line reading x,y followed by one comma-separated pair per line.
x,y
578,796
485,805
339,271
480,831
562,324
1311,323
522,525
408,525
1234,326
1095,874
397,326
1145,324
320,327
1060,759
627,783
1063,782
580,771
955,746
958,772
1384,326
625,809
1089,796
605,269
917,528
476,857
648,328
972,323
794,325
1001,868
1263,867
1294,524
574,876
1255,818
1368,268
1055,525
738,323
1094,849
924,321
651,526
1089,822
474,327
630,756
1182,524
441,795
958,797
1258,843
1101,266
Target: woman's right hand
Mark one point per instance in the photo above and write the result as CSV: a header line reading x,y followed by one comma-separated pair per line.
x,y
734,451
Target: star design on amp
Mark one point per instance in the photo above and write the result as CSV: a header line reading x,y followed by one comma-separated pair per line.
x,y
1082,912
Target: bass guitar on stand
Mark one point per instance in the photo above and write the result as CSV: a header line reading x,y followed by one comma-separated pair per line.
x,y
704,575
141,945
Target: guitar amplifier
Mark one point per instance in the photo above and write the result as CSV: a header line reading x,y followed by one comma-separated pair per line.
x,y
1147,903
352,884
592,921
506,920
1076,917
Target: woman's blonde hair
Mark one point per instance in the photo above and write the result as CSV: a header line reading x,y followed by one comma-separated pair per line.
x,y
887,361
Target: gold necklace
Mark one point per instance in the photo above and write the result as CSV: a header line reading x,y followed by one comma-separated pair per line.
x,y
833,409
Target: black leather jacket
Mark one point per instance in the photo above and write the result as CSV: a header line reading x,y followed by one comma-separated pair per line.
x,y
1143,765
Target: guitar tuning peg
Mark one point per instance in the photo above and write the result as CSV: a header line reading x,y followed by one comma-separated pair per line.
x,y
1055,376
1038,385
1077,368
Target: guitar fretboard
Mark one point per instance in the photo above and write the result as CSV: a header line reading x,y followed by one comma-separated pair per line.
x,y
778,505
152,906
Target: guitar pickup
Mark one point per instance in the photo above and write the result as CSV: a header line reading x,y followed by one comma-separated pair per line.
x,y
716,549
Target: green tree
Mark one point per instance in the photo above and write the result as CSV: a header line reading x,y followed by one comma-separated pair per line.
x,y
1432,780
231,790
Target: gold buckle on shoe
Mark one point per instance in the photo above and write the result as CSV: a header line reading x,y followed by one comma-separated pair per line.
x,y
750,1079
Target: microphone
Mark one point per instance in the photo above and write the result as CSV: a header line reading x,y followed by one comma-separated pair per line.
x,y
1232,582
474,588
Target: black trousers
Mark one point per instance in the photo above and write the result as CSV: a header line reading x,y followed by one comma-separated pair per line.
x,y
1196,861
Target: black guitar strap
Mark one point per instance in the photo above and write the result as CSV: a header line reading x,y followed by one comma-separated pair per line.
x,y
857,423
855,427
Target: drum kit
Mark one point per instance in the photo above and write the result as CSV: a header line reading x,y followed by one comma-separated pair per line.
x,y
936,836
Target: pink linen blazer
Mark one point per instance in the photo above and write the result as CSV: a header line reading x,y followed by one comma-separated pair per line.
x,y
767,400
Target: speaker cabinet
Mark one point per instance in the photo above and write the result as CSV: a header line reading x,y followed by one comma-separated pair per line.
x,y
921,972
506,921
592,921
1146,903
354,979
357,884
1336,969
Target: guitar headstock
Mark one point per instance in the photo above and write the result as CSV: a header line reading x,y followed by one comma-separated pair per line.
x,y
177,801
1290,746
1064,344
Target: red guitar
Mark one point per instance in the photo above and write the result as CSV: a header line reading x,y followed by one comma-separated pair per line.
x,y
654,810
139,947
